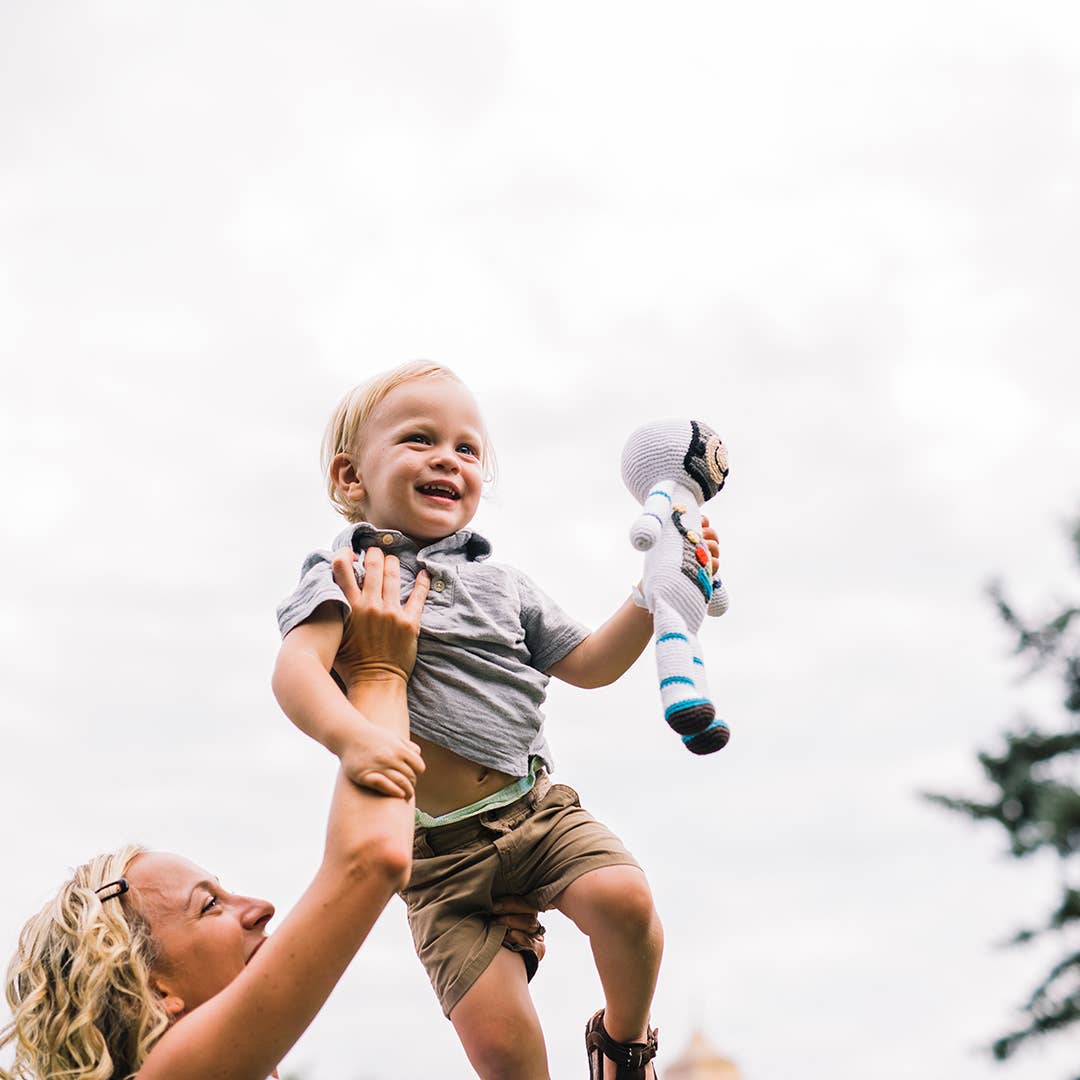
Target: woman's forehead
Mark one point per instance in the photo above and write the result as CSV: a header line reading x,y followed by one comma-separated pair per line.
x,y
164,878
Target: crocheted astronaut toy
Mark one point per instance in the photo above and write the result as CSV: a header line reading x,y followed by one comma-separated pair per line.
x,y
672,467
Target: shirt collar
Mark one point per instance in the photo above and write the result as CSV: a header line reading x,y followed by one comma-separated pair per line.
x,y
363,535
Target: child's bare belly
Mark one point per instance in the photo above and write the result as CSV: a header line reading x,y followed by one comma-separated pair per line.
x,y
451,781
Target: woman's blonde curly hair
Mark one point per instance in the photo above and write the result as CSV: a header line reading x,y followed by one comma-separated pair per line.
x,y
79,986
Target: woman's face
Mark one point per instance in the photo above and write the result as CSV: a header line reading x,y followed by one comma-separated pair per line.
x,y
205,935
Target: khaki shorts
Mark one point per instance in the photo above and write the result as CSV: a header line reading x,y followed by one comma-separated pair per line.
x,y
532,848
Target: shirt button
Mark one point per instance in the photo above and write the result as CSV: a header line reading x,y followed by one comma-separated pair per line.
x,y
438,584
387,539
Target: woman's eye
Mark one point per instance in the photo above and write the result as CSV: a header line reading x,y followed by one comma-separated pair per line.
x,y
210,904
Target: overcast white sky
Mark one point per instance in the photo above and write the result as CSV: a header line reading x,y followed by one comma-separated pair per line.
x,y
846,234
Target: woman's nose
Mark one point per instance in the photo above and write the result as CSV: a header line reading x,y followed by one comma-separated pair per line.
x,y
256,912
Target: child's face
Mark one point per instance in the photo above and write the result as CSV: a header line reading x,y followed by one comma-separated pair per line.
x,y
419,460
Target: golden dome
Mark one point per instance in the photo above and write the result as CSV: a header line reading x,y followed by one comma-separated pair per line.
x,y
700,1062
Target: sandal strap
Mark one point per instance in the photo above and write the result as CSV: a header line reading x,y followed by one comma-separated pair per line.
x,y
627,1055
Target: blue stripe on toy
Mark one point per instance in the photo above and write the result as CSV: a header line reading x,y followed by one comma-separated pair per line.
x,y
688,704
716,725
671,637
699,661
705,582
649,513
671,679
659,492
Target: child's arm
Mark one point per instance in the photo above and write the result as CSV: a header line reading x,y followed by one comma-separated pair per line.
x,y
608,653
371,756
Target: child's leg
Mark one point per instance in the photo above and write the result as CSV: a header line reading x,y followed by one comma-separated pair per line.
x,y
498,1026
614,907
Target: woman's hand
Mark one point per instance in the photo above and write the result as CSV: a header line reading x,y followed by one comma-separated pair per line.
x,y
524,931
379,635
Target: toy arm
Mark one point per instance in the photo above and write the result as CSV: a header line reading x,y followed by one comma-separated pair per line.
x,y
718,604
654,512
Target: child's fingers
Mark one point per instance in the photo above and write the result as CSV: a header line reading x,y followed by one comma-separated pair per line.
x,y
415,603
414,758
411,760
403,787
714,553
712,542
385,784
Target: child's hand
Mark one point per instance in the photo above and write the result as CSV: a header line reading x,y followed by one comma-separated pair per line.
x,y
708,534
381,761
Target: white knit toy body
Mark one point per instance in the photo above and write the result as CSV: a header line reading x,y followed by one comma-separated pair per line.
x,y
673,467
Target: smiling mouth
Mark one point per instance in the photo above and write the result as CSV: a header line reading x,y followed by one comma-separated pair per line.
x,y
258,945
439,491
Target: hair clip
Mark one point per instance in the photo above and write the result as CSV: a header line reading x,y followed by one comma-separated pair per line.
x,y
120,885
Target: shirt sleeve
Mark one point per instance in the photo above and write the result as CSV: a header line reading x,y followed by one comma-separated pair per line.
x,y
316,586
549,632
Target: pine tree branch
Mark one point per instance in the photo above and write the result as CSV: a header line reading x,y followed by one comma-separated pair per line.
x,y
1066,1013
1063,967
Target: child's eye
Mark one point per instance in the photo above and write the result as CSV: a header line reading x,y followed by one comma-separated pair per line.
x,y
468,448
417,437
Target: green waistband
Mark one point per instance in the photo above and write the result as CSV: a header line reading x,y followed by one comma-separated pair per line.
x,y
502,797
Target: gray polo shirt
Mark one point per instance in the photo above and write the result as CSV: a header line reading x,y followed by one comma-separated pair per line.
x,y
487,635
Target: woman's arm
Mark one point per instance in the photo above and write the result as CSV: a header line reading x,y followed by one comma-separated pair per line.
x,y
244,1031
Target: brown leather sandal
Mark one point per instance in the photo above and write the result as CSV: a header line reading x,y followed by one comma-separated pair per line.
x,y
630,1059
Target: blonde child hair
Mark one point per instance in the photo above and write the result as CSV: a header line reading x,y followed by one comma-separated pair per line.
x,y
79,985
345,430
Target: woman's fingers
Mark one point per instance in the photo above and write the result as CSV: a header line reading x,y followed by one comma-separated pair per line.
x,y
373,574
521,940
391,582
522,922
415,603
345,575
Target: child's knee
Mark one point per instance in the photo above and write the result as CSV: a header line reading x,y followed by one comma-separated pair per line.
x,y
630,903
498,1026
500,1046
621,898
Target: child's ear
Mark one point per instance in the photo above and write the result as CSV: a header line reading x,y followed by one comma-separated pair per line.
x,y
346,479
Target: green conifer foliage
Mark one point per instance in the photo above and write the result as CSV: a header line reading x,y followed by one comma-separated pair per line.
x,y
1035,784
